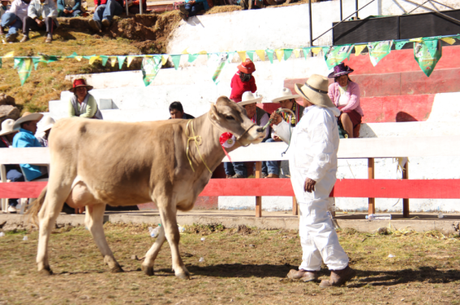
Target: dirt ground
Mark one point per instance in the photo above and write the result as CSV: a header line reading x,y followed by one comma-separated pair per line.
x,y
238,266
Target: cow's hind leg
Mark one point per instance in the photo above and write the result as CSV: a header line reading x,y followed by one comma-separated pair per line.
x,y
93,221
168,219
49,212
147,265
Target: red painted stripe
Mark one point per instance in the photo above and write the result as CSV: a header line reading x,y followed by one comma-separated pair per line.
x,y
365,188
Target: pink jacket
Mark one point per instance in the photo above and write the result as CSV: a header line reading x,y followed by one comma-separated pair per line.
x,y
352,92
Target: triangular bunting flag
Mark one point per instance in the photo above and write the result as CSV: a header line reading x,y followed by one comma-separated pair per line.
x,y
164,59
261,54
250,55
336,54
8,55
36,60
400,44
150,68
185,51
297,53
203,52
316,50
130,60
104,59
113,60
449,40
93,59
279,54
176,60
359,49
242,55
17,61
270,55
427,60
218,61
287,53
24,69
1,62
306,52
416,39
231,55
192,57
74,54
378,50
121,60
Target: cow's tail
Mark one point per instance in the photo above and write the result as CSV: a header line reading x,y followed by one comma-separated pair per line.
x,y
35,207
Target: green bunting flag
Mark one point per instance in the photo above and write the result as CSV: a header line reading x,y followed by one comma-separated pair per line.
x,y
400,44
24,69
427,54
217,63
35,60
250,55
150,68
335,55
0,62
287,53
306,51
176,60
231,54
270,55
17,61
378,50
121,60
192,57
104,59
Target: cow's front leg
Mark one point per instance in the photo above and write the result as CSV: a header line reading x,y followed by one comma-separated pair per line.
x,y
93,221
168,219
147,265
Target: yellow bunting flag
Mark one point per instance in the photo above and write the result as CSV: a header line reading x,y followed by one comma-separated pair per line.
x,y
449,40
79,58
203,52
130,60
93,59
416,39
242,55
296,53
164,59
279,54
113,60
185,51
261,54
316,50
359,48
9,55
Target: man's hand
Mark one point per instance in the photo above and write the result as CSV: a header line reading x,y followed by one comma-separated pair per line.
x,y
276,118
39,22
309,185
66,11
276,138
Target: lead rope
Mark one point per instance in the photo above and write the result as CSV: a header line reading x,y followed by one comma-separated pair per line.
x,y
279,110
197,140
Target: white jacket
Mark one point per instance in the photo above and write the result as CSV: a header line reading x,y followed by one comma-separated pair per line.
x,y
313,150
42,10
19,8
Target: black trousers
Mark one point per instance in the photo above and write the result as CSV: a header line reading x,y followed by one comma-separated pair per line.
x,y
31,24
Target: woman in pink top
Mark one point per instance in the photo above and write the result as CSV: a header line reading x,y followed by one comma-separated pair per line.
x,y
344,93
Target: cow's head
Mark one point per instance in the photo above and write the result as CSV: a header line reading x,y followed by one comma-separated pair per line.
x,y
231,117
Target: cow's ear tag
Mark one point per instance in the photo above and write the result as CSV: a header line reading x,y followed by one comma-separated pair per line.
x,y
227,140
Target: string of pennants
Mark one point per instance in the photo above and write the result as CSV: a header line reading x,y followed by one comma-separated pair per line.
x,y
427,52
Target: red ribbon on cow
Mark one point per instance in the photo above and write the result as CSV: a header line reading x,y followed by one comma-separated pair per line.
x,y
227,140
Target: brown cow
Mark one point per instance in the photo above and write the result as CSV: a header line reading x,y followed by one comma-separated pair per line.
x,y
94,163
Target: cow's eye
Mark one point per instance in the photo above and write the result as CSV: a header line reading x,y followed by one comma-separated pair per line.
x,y
230,118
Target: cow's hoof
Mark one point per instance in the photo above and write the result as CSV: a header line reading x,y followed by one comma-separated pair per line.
x,y
117,268
148,270
45,271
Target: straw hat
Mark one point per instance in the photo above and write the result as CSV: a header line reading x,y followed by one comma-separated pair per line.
x,y
27,117
315,91
80,82
285,94
247,66
339,70
46,123
7,127
249,98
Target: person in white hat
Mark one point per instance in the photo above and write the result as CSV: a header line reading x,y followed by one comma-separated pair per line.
x,y
287,100
313,167
27,126
13,172
44,129
259,117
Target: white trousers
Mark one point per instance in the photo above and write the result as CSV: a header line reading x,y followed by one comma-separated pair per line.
x,y
318,237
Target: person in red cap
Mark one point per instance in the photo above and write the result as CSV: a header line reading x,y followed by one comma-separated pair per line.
x,y
243,80
82,104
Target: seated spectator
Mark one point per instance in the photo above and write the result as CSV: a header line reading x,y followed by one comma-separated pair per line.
x,y
177,111
69,8
344,93
243,80
4,6
41,15
134,7
44,130
104,12
13,172
192,7
271,169
27,126
259,117
83,104
14,17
